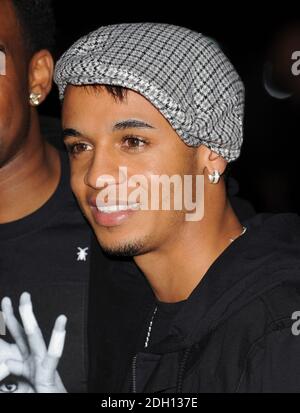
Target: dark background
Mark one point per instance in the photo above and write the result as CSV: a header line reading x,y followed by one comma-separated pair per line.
x,y
259,43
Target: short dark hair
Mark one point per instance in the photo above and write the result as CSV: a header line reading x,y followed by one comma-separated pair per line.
x,y
37,21
118,92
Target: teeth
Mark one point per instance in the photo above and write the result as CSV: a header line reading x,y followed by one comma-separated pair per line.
x,y
116,208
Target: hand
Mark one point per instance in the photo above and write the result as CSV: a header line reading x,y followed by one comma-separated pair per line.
x,y
28,358
12,384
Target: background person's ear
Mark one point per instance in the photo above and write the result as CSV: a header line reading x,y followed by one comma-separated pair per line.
x,y
41,69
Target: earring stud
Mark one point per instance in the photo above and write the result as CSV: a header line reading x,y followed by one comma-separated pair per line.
x,y
34,98
214,178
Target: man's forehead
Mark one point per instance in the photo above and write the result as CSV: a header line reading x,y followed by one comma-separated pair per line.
x,y
7,15
134,111
84,99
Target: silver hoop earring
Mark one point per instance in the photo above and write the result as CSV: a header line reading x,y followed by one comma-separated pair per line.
x,y
34,98
214,178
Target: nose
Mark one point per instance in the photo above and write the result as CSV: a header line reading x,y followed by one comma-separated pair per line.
x,y
103,170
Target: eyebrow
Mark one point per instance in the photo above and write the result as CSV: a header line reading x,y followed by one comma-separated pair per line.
x,y
132,123
124,124
71,132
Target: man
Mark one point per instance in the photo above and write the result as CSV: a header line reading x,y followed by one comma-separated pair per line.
x,y
44,239
163,100
159,100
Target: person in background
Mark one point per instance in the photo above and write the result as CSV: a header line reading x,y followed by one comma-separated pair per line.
x,y
44,238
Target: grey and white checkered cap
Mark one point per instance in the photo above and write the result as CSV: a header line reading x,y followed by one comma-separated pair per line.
x,y
182,73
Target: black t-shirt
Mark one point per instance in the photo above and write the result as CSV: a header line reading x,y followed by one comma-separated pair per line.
x,y
47,254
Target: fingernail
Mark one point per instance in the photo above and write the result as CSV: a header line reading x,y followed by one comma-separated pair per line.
x,y
6,305
6,301
25,299
60,324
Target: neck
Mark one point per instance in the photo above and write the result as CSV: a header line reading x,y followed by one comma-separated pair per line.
x,y
175,270
29,179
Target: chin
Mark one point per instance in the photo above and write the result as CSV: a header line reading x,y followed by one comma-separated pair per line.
x,y
126,248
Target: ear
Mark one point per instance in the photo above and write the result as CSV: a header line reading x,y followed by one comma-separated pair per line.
x,y
210,161
216,162
41,69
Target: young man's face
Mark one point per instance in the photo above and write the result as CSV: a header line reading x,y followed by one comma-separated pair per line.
x,y
14,107
105,133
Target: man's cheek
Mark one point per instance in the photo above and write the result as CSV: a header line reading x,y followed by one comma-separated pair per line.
x,y
77,185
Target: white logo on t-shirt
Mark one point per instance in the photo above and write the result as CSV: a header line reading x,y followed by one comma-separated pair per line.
x,y
82,254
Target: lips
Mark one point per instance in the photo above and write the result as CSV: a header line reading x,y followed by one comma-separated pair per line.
x,y
110,209
110,215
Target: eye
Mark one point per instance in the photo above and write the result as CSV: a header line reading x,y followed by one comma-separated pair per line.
x,y
78,147
8,387
133,143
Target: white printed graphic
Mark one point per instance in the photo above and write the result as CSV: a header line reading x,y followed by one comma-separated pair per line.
x,y
2,325
2,64
82,254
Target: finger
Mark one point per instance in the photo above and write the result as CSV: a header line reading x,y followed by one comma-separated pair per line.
x,y
4,347
28,318
4,371
14,327
55,349
17,368
9,351
33,333
13,367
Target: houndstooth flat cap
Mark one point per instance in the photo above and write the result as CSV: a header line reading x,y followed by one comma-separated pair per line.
x,y
181,72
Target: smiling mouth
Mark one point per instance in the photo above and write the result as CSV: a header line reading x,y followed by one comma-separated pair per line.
x,y
110,209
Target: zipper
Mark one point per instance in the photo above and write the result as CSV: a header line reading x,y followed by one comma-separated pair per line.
x,y
133,366
133,384
182,368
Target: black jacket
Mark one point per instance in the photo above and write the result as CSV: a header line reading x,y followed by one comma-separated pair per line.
x,y
234,333
120,300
